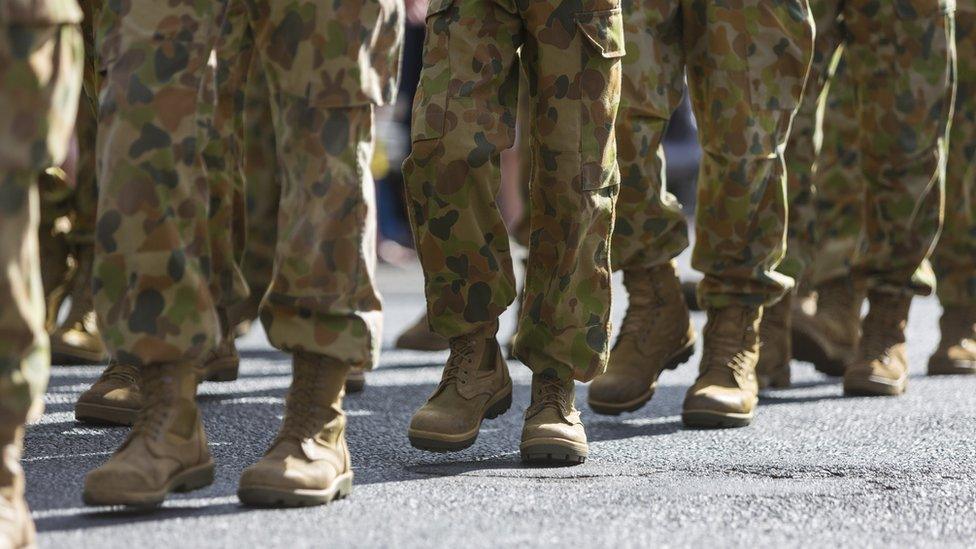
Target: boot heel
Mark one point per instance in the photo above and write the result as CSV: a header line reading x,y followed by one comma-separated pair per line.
x,y
499,407
682,357
194,479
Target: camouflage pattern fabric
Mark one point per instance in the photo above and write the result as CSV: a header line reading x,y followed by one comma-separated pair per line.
x,y
746,63
464,116
40,79
256,162
840,211
954,258
325,67
893,51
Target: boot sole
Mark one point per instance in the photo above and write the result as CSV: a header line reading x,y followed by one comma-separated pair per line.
x,y
267,496
100,414
553,451
439,442
946,367
617,408
223,369
191,479
807,348
707,419
875,387
62,354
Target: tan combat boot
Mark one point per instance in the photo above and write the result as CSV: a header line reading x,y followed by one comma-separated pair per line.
x,y
553,432
775,345
16,525
356,379
419,337
829,338
223,363
656,335
726,391
166,451
475,386
308,462
956,354
113,399
880,367
77,340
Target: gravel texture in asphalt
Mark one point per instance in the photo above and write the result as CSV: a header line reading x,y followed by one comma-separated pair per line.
x,y
815,468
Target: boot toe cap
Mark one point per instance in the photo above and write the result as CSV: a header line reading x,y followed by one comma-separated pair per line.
x,y
720,401
617,388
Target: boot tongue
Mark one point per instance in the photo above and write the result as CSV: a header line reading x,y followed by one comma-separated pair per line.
x,y
552,393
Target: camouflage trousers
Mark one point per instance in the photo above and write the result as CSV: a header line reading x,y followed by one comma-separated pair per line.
x,y
40,79
155,258
464,116
746,63
245,123
892,52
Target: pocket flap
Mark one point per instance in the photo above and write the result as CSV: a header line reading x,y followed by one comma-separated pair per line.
x,y
604,30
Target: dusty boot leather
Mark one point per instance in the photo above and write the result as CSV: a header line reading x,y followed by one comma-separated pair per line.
x,y
308,462
77,340
726,391
775,345
656,335
553,432
829,338
113,399
419,337
475,386
166,451
880,367
223,363
956,354
16,525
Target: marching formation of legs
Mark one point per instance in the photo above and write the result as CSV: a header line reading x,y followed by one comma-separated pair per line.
x,y
222,176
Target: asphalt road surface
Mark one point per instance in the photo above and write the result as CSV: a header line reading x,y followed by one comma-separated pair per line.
x,y
815,468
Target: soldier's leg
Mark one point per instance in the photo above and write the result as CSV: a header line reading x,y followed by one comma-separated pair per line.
x,y
773,368
77,340
40,72
828,336
954,258
744,100
895,52
223,158
650,229
451,179
322,305
153,263
262,193
564,319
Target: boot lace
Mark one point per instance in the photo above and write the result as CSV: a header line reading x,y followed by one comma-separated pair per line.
x,y
301,411
551,393
462,349
152,417
641,306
